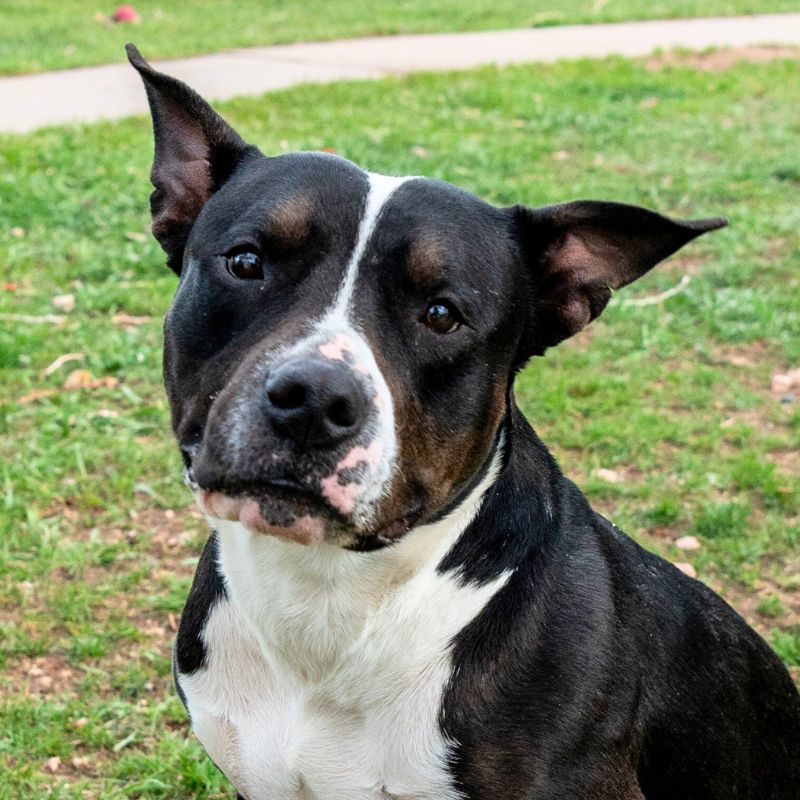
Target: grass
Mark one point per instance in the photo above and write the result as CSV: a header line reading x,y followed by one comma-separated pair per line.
x,y
672,399
53,34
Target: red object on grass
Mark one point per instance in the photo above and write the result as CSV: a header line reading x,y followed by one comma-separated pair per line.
x,y
125,14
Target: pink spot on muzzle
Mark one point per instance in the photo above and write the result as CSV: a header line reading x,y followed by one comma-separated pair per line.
x,y
336,349
343,497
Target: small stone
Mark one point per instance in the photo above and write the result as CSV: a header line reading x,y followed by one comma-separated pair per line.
x,y
687,543
789,397
609,475
784,382
18,232
686,568
64,302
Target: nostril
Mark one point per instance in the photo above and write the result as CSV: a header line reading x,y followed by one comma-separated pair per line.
x,y
340,412
287,396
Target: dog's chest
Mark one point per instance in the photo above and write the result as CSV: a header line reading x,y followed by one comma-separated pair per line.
x,y
306,694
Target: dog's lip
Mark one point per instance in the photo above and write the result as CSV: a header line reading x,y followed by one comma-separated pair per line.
x,y
284,489
303,528
243,503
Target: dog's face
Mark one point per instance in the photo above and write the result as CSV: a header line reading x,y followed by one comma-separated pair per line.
x,y
340,350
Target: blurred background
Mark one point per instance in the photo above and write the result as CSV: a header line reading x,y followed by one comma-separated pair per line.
x,y
677,412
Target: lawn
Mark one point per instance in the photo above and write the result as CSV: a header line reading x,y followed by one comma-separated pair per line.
x,y
54,34
663,411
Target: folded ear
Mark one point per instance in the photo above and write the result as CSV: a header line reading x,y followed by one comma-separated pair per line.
x,y
579,253
195,153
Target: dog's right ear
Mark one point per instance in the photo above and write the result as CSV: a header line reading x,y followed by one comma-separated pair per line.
x,y
196,151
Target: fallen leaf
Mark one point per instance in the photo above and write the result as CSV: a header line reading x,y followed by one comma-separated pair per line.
x,y
78,379
420,152
105,413
10,286
136,236
52,764
739,360
65,358
687,543
649,102
36,394
31,319
561,155
129,319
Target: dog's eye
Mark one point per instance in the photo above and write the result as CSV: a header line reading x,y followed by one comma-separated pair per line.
x,y
246,266
441,317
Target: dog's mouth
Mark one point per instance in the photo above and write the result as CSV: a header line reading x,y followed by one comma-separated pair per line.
x,y
284,507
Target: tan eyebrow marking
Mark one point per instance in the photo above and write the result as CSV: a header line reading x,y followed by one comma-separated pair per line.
x,y
290,219
424,260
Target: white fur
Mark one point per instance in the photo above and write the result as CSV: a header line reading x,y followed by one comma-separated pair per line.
x,y
326,668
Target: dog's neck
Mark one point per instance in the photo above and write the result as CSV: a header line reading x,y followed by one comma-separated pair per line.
x,y
311,608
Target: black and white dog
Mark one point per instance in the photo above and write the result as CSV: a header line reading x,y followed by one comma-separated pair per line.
x,y
404,597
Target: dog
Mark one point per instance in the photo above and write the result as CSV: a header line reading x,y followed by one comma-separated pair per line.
x,y
403,597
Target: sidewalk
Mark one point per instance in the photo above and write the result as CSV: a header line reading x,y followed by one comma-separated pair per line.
x,y
28,102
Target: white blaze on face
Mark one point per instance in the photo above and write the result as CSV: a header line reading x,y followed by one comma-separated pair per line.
x,y
361,477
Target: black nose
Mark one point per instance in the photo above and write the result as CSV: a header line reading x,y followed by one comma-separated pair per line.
x,y
315,403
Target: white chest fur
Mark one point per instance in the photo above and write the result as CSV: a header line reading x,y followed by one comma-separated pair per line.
x,y
325,669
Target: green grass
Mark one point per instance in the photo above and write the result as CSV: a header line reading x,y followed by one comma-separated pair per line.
x,y
54,34
97,544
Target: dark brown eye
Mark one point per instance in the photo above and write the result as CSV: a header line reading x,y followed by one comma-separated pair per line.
x,y
441,317
246,266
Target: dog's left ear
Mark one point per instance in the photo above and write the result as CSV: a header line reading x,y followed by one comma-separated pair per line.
x,y
196,151
579,253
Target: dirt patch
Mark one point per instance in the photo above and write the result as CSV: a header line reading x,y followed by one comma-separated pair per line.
x,y
786,459
753,603
720,60
169,540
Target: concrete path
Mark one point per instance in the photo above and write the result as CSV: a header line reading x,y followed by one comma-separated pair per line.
x,y
28,102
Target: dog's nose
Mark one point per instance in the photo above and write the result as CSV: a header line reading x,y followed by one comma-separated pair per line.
x,y
315,403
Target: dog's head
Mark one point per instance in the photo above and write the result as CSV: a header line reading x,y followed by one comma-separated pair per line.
x,y
341,345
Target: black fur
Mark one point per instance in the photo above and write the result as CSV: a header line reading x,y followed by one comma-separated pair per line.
x,y
207,587
599,671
